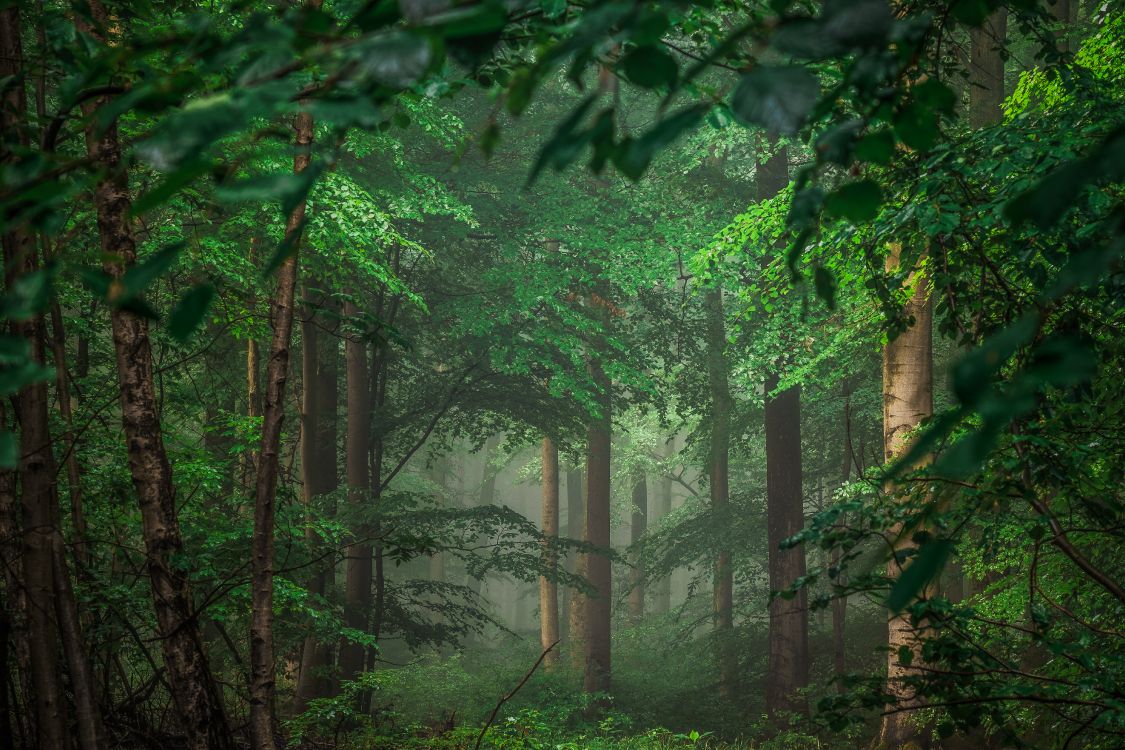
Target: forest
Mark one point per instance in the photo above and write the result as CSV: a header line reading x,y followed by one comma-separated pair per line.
x,y
562,374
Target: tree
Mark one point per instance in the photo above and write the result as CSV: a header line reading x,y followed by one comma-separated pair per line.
x,y
548,586
789,620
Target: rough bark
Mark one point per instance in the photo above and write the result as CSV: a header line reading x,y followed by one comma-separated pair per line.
x,y
318,467
195,694
358,575
788,669
986,69
637,529
263,669
907,401
718,471
14,604
548,586
596,566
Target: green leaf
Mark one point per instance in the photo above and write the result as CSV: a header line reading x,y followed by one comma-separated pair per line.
x,y
140,277
9,450
970,12
632,157
650,67
916,126
180,178
825,286
926,565
876,148
190,311
857,201
776,98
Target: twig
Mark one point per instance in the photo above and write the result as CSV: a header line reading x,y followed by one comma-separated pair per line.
x,y
509,696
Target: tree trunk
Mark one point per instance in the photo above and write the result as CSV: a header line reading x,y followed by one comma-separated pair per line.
x,y
318,467
986,69
357,587
636,533
718,475
907,401
662,589
575,529
548,586
263,669
596,566
14,605
1064,17
789,623
36,461
88,718
198,703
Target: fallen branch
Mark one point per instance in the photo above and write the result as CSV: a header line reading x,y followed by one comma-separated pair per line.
x,y
509,696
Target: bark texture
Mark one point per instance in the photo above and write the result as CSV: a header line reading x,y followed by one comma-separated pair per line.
x,y
907,400
263,671
575,529
548,586
195,694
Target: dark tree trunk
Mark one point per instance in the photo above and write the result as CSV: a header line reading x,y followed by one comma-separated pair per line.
x,y
788,634
548,586
318,466
358,577
636,533
196,696
986,69
263,668
596,566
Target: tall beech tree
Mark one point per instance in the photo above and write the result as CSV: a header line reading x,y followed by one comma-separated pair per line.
x,y
908,400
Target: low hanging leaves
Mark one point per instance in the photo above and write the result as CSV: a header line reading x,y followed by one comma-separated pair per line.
x,y
778,99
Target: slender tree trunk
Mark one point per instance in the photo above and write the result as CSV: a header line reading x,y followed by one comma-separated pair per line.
x,y
575,529
263,668
840,601
66,410
487,494
662,588
986,69
907,400
636,533
548,586
198,703
318,466
357,587
718,475
597,568
88,718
